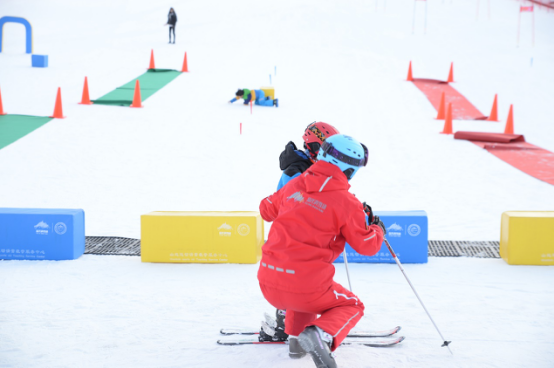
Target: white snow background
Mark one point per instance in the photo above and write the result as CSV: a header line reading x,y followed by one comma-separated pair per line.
x,y
344,63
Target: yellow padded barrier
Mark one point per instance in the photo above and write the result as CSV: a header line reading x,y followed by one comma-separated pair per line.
x,y
527,237
269,91
201,237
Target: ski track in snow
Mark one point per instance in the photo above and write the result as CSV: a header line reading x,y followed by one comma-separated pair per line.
x,y
343,63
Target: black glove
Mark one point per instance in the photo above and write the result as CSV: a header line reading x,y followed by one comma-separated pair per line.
x,y
377,221
369,212
291,162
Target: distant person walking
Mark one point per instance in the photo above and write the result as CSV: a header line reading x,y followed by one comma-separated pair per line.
x,y
171,21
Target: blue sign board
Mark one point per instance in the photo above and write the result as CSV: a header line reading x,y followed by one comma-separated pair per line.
x,y
41,234
407,233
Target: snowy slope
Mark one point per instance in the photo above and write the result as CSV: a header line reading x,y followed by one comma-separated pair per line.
x,y
344,63
114,311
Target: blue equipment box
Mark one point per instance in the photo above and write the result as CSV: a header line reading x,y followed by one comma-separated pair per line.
x,y
407,233
41,234
39,61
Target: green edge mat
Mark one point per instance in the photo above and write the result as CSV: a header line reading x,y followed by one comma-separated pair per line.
x,y
14,127
150,82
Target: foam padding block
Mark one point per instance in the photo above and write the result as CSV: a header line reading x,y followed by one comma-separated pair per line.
x,y
527,237
407,233
201,237
269,91
42,234
39,61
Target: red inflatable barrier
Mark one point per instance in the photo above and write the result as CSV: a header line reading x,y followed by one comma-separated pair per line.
x,y
462,109
512,149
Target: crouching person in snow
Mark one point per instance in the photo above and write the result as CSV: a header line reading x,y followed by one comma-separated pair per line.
x,y
294,162
313,216
256,95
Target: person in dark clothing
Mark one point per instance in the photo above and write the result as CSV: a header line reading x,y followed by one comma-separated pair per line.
x,y
171,21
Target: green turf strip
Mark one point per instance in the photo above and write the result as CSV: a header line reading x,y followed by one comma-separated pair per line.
x,y
150,82
13,127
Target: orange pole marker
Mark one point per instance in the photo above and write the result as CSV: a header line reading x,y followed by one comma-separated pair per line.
x,y
448,121
58,112
136,98
185,68
510,122
152,65
440,115
85,100
410,77
1,107
494,112
250,107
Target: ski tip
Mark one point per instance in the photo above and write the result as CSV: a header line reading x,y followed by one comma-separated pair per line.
x,y
398,328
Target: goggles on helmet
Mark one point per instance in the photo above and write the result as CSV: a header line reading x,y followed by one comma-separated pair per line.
x,y
328,149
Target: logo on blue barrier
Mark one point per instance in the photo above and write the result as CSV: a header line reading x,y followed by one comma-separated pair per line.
x,y
60,228
414,229
394,231
42,228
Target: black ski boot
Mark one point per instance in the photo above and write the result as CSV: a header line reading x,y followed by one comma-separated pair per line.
x,y
318,343
295,350
274,330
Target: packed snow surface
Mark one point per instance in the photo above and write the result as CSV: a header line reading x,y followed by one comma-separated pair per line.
x,y
344,63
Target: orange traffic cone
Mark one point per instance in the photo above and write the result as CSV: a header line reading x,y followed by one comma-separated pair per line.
x,y
85,100
451,74
185,68
58,113
448,121
440,115
510,122
1,107
152,65
136,98
494,111
410,77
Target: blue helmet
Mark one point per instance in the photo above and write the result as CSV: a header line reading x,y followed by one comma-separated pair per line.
x,y
345,152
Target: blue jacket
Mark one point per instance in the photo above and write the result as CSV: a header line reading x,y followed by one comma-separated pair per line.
x,y
293,162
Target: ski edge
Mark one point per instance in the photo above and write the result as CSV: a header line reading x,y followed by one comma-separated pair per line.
x,y
350,342
383,333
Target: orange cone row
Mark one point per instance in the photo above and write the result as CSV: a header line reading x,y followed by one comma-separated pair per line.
x,y
450,73
447,129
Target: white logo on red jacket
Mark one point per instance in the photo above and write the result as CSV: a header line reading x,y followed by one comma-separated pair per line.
x,y
298,197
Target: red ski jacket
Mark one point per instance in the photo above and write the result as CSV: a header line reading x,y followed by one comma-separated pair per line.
x,y
313,216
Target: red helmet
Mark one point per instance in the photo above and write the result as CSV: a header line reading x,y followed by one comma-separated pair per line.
x,y
315,134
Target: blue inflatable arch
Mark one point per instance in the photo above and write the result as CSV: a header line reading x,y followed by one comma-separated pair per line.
x,y
28,32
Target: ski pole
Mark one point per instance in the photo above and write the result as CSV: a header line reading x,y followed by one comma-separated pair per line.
x,y
444,343
346,265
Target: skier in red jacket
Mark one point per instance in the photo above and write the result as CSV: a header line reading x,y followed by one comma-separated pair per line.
x,y
294,162
313,216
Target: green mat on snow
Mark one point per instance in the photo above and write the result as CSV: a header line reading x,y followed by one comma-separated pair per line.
x,y
150,82
13,127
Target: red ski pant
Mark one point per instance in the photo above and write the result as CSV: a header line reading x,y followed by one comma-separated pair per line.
x,y
339,308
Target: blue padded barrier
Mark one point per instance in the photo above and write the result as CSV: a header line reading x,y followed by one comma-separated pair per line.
x,y
407,233
41,234
39,61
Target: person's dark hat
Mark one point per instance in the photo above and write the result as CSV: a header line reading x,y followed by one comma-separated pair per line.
x,y
240,92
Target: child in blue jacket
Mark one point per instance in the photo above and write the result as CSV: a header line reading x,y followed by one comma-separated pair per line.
x,y
256,95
